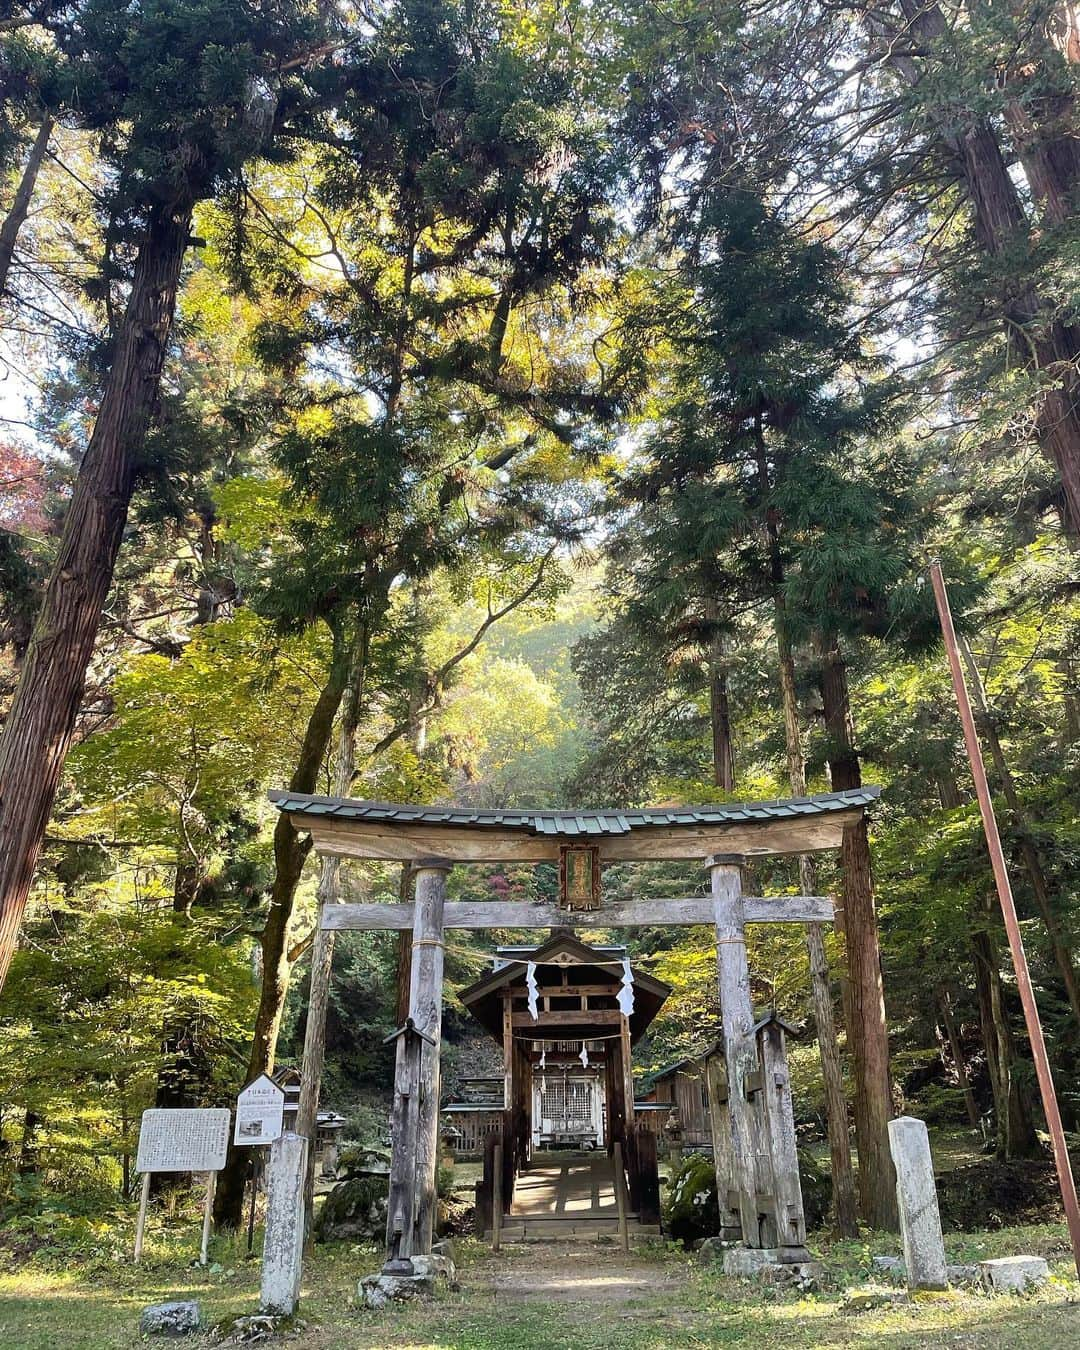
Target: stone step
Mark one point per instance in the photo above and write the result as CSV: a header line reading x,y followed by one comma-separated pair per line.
x,y
548,1229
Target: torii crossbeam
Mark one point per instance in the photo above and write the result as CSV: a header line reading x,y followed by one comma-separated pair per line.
x,y
433,839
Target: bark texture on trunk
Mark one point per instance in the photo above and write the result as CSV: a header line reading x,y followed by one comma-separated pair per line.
x,y
20,205
39,727
290,854
1041,117
868,1032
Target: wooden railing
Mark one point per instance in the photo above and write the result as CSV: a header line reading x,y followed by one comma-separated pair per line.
x,y
506,1152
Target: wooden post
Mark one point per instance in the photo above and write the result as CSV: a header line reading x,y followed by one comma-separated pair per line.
x,y
737,1014
508,1051
425,1008
401,1201
628,1073
497,1200
140,1222
208,1209
783,1147
720,1128
620,1195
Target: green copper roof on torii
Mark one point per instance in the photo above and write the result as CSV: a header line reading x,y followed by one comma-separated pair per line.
x,y
574,824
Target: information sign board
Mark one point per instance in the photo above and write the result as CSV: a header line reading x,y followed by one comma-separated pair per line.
x,y
260,1112
183,1140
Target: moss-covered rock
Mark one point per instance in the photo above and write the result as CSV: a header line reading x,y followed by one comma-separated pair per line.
x,y
691,1211
354,1209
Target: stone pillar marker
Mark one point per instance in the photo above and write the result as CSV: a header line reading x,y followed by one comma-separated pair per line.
x,y
916,1194
283,1242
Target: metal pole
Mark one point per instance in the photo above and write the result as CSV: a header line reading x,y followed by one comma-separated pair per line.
x,y
1012,924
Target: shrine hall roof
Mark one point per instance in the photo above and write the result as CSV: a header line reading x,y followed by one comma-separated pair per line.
x,y
573,824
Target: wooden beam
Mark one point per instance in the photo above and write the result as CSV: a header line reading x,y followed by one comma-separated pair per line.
x,y
632,914
491,844
600,1017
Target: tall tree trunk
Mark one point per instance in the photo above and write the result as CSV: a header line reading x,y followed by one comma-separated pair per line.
x,y
720,717
836,1114
322,956
39,727
290,854
1042,116
952,1031
20,205
1033,865
1015,1124
723,754
868,1032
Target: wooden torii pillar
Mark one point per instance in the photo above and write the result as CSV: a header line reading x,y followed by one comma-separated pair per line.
x,y
755,1064
414,1131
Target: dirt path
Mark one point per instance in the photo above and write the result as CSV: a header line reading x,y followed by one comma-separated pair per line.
x,y
593,1273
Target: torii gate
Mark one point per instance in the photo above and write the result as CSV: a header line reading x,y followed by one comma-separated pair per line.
x,y
434,839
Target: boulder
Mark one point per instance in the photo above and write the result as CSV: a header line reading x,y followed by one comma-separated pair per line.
x,y
376,1291
1013,1274
355,1210
170,1319
890,1268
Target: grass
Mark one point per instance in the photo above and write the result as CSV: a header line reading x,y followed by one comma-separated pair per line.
x,y
535,1298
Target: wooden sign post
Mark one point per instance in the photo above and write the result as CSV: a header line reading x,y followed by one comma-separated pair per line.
x,y
171,1140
